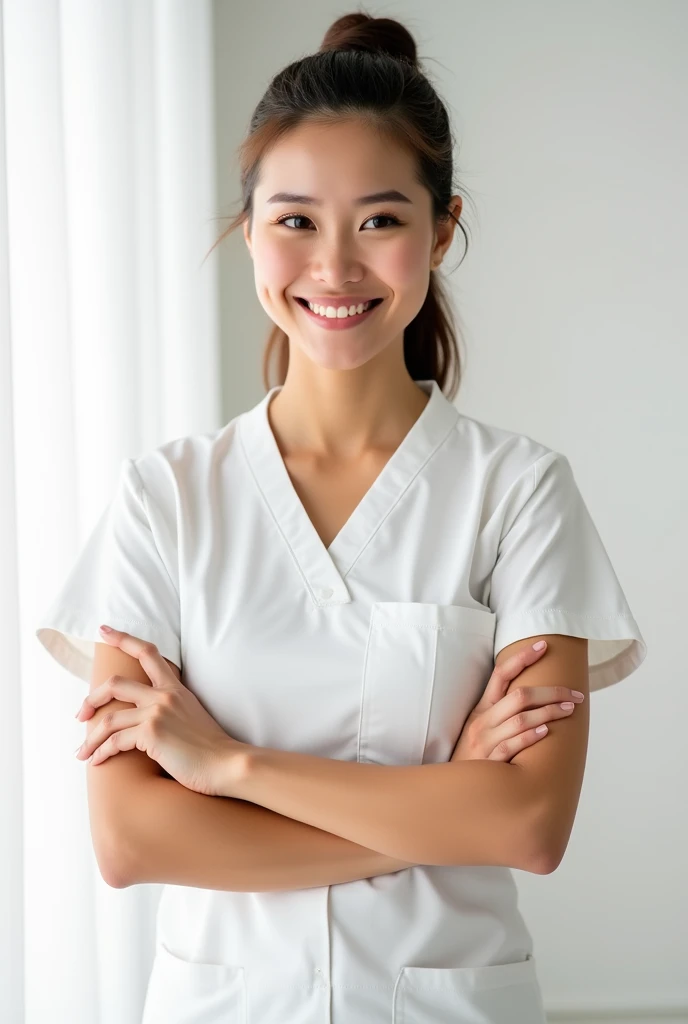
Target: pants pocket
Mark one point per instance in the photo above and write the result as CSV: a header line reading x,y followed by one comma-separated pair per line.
x,y
497,994
189,992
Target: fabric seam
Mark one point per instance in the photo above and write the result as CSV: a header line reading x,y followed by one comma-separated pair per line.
x,y
144,499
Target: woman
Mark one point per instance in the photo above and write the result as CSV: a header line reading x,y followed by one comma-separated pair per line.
x,y
337,569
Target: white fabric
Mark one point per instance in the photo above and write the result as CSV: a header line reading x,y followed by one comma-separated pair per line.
x,y
126,577
373,649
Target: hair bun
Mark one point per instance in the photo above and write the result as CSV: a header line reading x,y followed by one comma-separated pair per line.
x,y
361,32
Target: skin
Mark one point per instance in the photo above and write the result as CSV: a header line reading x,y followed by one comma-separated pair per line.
x,y
347,394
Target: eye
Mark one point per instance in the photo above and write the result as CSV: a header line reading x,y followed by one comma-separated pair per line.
x,y
376,216
290,216
385,216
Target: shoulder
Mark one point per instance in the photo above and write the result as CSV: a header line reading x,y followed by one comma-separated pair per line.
x,y
180,468
504,463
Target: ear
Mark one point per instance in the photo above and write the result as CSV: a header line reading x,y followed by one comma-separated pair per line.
x,y
247,238
444,230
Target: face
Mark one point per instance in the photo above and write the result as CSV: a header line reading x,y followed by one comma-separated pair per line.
x,y
338,251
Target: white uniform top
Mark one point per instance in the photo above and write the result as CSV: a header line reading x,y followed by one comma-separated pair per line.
x,y
373,649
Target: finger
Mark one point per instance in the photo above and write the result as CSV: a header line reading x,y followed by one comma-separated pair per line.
x,y
524,704
523,698
503,674
508,749
130,690
108,725
155,666
124,739
525,722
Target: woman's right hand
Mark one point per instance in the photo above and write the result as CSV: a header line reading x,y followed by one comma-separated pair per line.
x,y
500,726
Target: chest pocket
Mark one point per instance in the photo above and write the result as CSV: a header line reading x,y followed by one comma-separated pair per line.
x,y
425,668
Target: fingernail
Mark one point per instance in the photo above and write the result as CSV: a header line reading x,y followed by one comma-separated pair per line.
x,y
539,645
105,629
577,693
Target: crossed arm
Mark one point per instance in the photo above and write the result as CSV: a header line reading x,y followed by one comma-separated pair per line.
x,y
180,837
310,821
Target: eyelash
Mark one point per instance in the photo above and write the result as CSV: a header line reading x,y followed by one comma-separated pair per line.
x,y
387,216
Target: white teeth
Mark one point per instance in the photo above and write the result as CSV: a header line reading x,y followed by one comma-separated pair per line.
x,y
339,311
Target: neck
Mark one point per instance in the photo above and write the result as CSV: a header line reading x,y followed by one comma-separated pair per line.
x,y
343,415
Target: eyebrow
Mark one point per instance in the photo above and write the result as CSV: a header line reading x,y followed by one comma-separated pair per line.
x,y
389,196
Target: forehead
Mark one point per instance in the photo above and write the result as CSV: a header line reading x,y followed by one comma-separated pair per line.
x,y
341,160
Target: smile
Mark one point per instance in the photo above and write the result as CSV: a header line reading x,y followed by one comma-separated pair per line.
x,y
330,319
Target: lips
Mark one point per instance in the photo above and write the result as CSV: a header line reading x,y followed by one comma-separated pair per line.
x,y
338,323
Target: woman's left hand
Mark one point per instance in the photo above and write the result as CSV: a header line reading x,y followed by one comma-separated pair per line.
x,y
168,722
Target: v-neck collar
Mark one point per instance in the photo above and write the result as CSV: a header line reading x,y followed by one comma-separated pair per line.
x,y
324,569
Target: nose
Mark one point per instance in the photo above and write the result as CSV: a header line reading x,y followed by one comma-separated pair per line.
x,y
337,263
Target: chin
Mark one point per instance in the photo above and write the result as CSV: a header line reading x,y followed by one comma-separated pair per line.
x,y
339,360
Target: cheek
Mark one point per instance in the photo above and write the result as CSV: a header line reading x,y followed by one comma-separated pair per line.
x,y
406,264
406,273
279,264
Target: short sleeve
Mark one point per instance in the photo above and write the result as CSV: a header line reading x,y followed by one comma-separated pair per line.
x,y
553,575
119,579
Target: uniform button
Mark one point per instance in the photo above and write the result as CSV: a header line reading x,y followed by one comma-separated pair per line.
x,y
325,592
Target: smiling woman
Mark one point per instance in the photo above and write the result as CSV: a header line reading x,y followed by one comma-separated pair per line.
x,y
339,566
348,195
339,245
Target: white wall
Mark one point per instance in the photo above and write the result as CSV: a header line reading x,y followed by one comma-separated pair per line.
x,y
571,125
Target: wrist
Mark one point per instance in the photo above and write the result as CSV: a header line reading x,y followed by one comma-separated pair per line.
x,y
234,769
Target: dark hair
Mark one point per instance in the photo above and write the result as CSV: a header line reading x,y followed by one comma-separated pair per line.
x,y
366,68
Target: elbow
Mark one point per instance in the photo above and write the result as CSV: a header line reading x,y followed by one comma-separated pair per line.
x,y
543,847
123,867
545,864
113,880
540,858
118,874
549,851
115,862
553,855
111,873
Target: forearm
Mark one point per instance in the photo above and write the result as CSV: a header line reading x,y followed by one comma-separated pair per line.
x,y
179,837
465,812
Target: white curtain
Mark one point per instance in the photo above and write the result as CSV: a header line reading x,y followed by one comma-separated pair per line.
x,y
108,347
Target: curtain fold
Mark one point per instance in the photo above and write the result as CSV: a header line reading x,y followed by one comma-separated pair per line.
x,y
109,346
